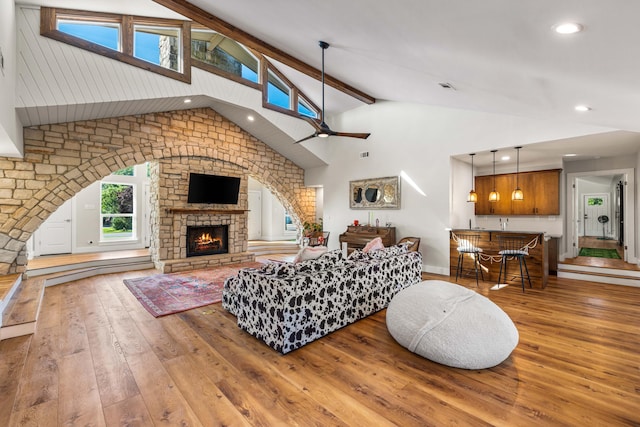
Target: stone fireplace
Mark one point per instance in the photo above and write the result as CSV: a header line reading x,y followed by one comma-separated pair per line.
x,y
207,240
191,236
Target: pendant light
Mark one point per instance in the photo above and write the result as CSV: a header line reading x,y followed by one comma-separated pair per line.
x,y
473,196
517,194
494,196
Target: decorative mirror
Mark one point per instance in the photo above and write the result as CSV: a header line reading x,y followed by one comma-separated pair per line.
x,y
375,193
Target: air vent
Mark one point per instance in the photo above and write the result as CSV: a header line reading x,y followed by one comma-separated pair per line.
x,y
364,154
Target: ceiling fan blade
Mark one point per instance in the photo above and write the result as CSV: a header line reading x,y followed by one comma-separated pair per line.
x,y
322,129
304,139
352,135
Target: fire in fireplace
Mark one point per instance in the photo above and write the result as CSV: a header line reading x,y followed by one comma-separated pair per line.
x,y
207,240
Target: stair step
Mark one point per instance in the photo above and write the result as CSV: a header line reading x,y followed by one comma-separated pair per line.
x,y
21,310
600,274
264,247
8,285
82,273
143,259
20,315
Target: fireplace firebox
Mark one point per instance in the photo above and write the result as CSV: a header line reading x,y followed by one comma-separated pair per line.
x,y
207,240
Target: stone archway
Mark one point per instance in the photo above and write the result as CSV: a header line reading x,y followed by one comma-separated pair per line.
x,y
62,159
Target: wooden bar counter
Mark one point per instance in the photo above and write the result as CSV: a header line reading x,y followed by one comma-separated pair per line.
x,y
537,261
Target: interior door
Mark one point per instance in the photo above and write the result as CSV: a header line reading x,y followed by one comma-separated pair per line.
x,y
255,215
54,235
595,206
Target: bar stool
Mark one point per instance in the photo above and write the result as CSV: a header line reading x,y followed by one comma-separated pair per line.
x,y
513,247
468,245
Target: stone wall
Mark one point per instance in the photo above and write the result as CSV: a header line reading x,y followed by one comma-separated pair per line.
x,y
61,159
169,221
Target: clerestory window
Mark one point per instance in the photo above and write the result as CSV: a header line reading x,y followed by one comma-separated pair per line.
x,y
153,44
158,45
104,33
281,95
278,92
306,108
222,55
170,47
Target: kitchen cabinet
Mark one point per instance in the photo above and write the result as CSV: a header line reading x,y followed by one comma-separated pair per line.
x,y
541,193
484,186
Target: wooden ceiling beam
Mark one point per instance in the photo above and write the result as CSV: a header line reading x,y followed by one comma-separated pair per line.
x,y
203,17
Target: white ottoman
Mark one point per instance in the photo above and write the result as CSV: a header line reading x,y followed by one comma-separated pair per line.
x,y
451,325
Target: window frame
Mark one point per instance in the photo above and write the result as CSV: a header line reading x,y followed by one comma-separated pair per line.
x,y
132,215
222,73
294,95
48,28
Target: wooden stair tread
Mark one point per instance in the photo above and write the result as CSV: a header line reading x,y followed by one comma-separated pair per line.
x,y
604,274
24,304
6,283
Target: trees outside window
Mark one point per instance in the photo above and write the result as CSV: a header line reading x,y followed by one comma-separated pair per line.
x,y
117,213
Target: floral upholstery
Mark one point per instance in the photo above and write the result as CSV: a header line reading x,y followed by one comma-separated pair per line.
x,y
288,309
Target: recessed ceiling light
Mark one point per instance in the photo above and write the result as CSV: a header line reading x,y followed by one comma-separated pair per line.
x,y
187,101
582,108
250,118
570,155
567,28
504,158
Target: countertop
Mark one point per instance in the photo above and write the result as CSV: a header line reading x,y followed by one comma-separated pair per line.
x,y
547,236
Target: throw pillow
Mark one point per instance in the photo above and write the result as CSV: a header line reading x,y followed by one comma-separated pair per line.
x,y
373,245
309,252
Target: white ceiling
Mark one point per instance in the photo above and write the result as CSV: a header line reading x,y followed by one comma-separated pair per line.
x,y
500,55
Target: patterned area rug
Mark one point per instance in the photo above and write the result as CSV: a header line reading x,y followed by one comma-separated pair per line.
x,y
599,253
163,294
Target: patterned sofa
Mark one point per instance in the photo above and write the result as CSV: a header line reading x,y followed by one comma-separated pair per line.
x,y
289,305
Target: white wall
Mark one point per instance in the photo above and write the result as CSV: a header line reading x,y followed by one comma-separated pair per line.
x,y
419,140
86,217
10,127
319,203
272,215
462,213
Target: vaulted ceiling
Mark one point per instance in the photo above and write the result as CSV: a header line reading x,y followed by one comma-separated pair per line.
x,y
499,56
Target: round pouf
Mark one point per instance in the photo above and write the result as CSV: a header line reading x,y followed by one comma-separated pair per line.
x,y
451,325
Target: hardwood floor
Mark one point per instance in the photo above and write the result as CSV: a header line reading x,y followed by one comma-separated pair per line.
x,y
593,242
99,358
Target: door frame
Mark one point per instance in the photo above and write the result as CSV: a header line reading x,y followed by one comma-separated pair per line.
x,y
584,209
573,222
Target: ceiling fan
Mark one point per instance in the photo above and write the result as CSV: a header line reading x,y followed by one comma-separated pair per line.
x,y
322,129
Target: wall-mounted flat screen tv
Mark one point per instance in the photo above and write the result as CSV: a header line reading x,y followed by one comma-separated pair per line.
x,y
218,189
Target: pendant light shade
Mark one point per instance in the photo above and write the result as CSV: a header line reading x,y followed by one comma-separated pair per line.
x,y
494,196
517,194
473,196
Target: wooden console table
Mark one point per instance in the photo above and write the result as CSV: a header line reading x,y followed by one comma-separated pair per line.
x,y
357,236
537,261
